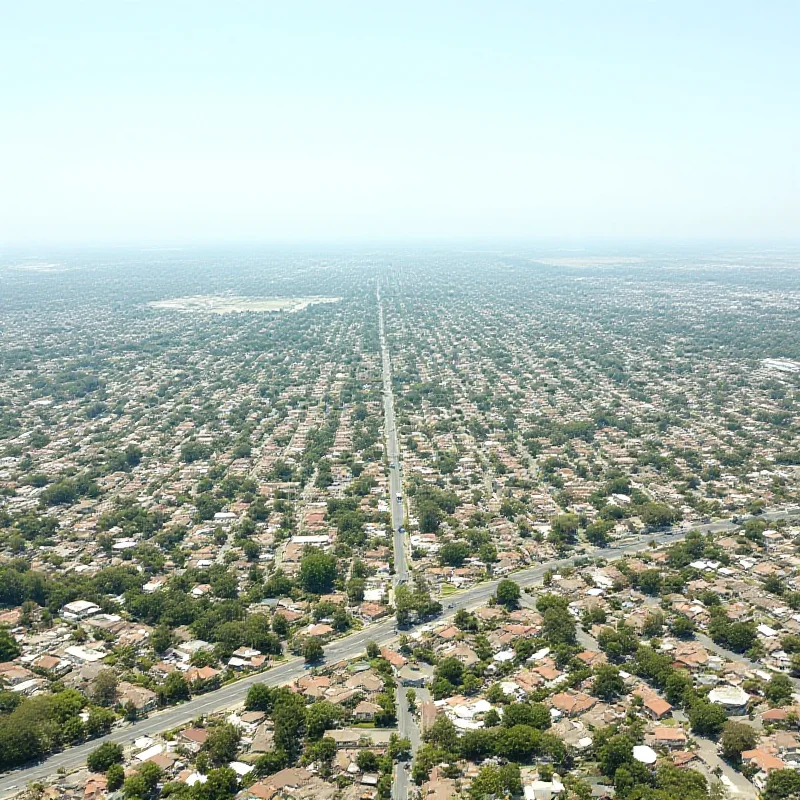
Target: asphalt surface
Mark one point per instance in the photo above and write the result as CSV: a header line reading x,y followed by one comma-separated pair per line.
x,y
401,572
405,726
405,722
232,695
407,729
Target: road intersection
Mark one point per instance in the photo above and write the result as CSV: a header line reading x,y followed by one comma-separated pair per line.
x,y
348,647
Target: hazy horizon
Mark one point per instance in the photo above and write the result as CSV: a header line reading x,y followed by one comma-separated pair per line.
x,y
360,124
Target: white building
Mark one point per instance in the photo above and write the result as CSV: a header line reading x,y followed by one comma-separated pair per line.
x,y
79,609
732,698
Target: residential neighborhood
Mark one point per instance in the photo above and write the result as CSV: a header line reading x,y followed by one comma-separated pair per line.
x,y
587,582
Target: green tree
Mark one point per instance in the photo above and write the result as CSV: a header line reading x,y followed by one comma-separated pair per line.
x,y
737,737
317,571
312,651
151,774
289,720
134,788
193,450
564,528
608,683
534,715
782,784
367,761
558,626
451,669
101,758
9,649
706,719
161,639
496,782
280,625
222,784
465,621
650,581
399,749
115,776
222,744
779,689
453,554
320,717
615,752
508,593
653,624
259,698
442,734
355,589
682,627
487,553
99,721
658,515
175,688
104,691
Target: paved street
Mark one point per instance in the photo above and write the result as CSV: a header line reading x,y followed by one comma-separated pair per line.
x,y
408,729
401,573
406,725
348,647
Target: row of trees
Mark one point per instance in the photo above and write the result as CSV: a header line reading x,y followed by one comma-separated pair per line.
x,y
32,727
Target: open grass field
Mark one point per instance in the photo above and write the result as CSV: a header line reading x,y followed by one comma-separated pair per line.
x,y
232,304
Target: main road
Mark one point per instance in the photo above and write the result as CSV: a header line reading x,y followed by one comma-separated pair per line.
x,y
349,647
405,722
401,573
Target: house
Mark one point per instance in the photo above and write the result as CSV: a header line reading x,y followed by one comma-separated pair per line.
x,y
372,611
762,761
263,740
775,715
365,711
161,670
291,782
320,630
95,787
193,738
543,790
733,699
786,743
438,787
314,686
78,610
394,658
142,699
51,664
572,704
657,707
367,681
200,674
592,658
680,758
672,738
82,655
165,761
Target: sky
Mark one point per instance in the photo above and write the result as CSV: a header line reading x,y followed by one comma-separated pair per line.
x,y
133,122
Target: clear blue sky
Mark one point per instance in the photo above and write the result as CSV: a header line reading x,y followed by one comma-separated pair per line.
x,y
263,121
